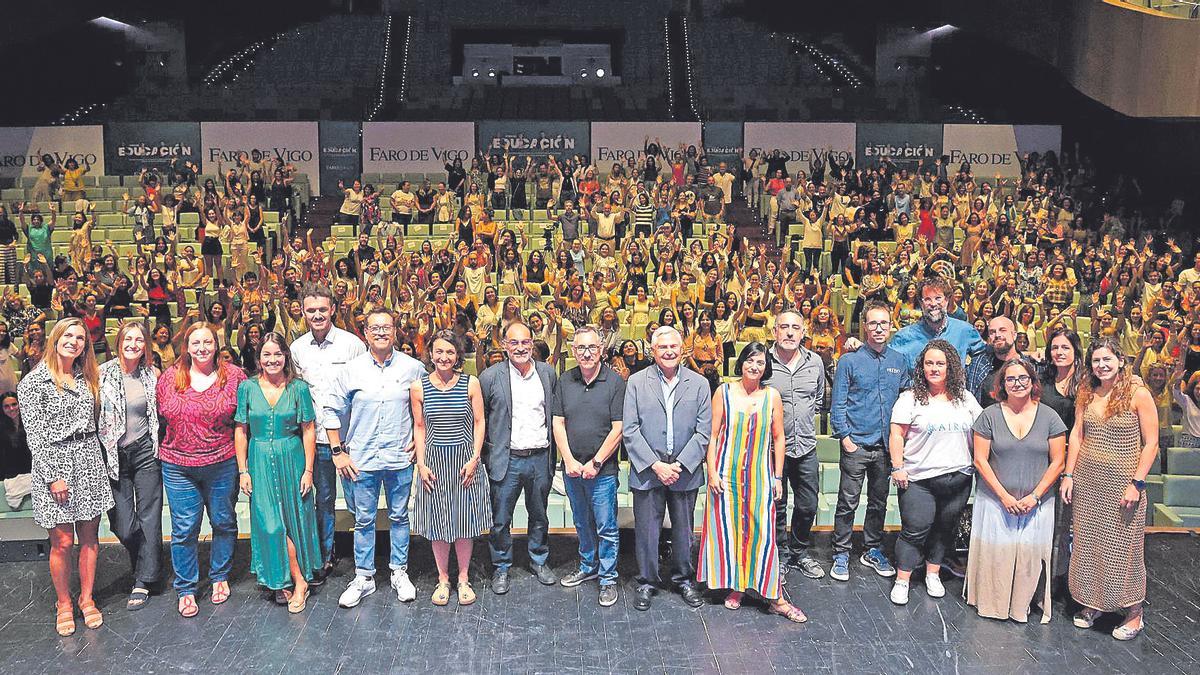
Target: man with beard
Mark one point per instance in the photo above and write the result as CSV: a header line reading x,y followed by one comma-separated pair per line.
x,y
936,323
1001,337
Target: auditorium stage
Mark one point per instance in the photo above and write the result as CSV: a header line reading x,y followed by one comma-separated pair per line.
x,y
852,628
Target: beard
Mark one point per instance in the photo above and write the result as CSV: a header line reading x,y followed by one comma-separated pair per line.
x,y
936,314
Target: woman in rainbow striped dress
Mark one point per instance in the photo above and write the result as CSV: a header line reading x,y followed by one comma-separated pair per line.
x,y
745,460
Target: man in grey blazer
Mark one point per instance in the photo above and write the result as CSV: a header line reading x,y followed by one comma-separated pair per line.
x,y
518,450
666,426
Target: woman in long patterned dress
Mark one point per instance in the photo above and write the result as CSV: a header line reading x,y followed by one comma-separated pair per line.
x,y
71,475
738,550
276,444
1112,448
1019,449
453,506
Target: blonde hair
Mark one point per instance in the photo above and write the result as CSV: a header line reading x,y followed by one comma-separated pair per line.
x,y
131,325
85,363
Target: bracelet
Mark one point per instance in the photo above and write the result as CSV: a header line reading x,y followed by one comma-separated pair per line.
x,y
307,471
1066,475
897,469
244,472
778,477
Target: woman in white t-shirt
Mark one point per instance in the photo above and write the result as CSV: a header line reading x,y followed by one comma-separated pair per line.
x,y
930,450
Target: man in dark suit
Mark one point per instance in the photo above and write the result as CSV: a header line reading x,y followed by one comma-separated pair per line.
x,y
518,396
666,426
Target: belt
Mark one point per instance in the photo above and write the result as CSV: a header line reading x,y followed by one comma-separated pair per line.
x,y
527,452
873,446
77,436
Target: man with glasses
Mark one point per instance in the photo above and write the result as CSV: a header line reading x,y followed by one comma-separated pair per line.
x,y
372,390
587,432
865,388
519,395
799,376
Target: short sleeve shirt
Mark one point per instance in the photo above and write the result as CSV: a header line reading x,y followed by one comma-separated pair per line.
x,y
939,435
589,410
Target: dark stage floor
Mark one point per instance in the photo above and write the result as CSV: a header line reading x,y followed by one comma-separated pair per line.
x,y
852,628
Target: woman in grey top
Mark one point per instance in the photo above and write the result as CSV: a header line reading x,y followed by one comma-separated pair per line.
x,y
1020,446
129,432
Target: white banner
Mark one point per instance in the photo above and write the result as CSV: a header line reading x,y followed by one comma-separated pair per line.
x,y
416,147
21,148
293,143
996,149
619,141
801,140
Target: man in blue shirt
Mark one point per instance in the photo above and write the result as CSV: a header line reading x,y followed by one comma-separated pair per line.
x,y
936,323
373,389
865,388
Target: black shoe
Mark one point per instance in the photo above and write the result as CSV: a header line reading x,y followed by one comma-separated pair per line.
x,y
500,582
608,595
691,594
545,575
321,575
641,600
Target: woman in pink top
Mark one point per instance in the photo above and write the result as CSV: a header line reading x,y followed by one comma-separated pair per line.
x,y
197,398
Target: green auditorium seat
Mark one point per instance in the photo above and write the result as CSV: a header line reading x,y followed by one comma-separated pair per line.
x,y
108,181
1181,502
1183,461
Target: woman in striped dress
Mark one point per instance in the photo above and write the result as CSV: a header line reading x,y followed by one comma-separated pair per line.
x,y
453,506
745,461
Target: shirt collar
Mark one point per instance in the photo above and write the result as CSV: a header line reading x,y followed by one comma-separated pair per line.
x,y
663,378
390,359
512,370
600,377
329,337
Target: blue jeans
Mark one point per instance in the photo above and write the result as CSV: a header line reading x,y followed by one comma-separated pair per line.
x,y
325,485
531,474
397,484
594,505
190,491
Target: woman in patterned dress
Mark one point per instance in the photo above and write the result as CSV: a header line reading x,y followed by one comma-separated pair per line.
x,y
745,460
1112,448
71,477
448,428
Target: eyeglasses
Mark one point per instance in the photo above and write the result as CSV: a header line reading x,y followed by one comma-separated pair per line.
x,y
380,330
878,324
1017,379
520,343
587,349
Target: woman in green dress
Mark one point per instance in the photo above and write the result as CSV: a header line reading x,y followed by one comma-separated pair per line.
x,y
275,440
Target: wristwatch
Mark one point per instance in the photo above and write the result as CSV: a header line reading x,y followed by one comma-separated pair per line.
x,y
1139,484
336,450
596,464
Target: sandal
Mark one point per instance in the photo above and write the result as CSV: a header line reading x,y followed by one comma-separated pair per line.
x,y
137,599
1124,632
64,619
733,600
220,592
788,611
1085,618
187,606
466,594
92,618
298,602
441,594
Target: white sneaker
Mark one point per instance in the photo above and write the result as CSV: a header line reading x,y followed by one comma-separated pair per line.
x,y
405,591
933,586
359,588
900,593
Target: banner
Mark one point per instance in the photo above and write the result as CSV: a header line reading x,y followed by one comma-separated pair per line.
x,y
620,141
801,141
340,155
723,143
131,146
21,148
907,145
292,143
996,149
536,138
416,147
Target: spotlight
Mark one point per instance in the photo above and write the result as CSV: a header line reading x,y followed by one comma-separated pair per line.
x,y
583,73
491,72
600,72
474,72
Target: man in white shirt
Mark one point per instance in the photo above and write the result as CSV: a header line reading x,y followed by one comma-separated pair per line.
x,y
519,395
319,356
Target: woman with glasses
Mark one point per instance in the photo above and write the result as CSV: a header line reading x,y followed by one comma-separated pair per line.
x,y
1020,447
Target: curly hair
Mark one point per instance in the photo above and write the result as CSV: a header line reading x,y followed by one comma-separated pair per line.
x,y
1121,398
956,377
